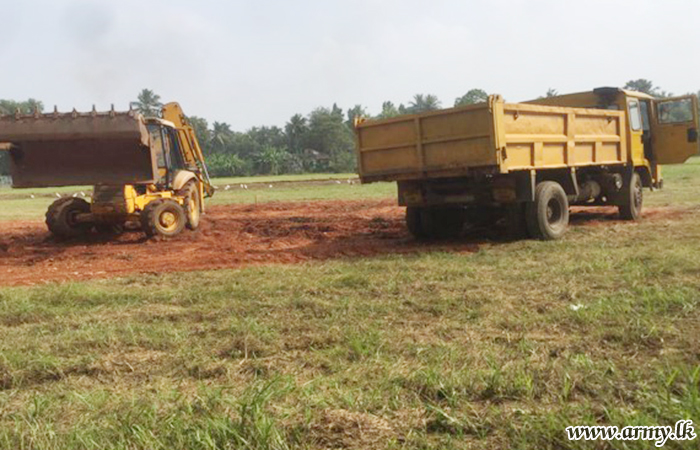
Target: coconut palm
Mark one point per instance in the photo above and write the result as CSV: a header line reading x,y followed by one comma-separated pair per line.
x,y
148,103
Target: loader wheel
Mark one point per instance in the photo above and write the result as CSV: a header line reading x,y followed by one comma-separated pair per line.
x,y
113,229
547,218
633,197
163,217
193,204
414,222
61,217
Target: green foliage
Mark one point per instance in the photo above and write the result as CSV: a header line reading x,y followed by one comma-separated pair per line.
x,y
25,107
389,110
551,93
422,103
148,103
647,87
471,97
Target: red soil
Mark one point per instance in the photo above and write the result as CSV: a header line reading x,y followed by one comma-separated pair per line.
x,y
230,236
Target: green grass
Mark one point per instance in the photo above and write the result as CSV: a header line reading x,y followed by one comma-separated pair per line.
x,y
437,350
18,204
502,348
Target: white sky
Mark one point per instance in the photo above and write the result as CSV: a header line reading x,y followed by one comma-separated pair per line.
x,y
258,62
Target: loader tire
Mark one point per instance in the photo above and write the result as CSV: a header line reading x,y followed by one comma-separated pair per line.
x,y
193,204
61,217
547,218
163,217
632,199
414,222
109,229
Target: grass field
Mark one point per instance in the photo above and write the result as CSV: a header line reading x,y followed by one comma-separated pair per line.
x,y
502,348
31,204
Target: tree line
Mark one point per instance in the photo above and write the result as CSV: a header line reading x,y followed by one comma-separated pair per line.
x,y
320,141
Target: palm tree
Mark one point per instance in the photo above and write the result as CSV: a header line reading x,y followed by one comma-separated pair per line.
x,y
220,135
422,103
148,103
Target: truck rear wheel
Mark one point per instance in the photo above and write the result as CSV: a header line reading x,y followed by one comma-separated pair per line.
x,y
163,217
414,222
547,218
442,222
633,198
516,225
62,217
193,204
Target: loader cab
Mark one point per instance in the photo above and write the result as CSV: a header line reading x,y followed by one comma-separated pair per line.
x,y
166,149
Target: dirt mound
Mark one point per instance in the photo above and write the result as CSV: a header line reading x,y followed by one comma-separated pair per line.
x,y
230,236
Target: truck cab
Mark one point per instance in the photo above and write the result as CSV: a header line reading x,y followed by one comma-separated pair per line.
x,y
659,130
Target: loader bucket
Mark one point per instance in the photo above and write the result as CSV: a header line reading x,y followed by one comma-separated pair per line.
x,y
49,150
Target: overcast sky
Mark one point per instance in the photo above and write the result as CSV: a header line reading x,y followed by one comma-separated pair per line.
x,y
257,62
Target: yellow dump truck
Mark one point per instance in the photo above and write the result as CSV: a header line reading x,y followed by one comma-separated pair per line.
x,y
525,163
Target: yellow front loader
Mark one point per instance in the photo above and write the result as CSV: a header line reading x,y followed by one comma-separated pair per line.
x,y
145,170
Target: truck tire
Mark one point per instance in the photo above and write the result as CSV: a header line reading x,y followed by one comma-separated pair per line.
x,y
163,217
442,222
414,222
547,218
516,225
632,199
61,217
193,204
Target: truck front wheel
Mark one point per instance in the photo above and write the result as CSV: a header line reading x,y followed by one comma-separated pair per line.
x,y
547,217
631,206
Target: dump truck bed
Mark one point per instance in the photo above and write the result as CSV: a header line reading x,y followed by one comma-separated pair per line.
x,y
494,137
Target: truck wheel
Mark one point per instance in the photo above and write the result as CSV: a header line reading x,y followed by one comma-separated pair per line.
x,y
442,222
163,217
633,197
516,225
61,217
193,204
547,218
414,222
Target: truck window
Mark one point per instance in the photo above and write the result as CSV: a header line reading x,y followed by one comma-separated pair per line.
x,y
635,116
645,116
675,111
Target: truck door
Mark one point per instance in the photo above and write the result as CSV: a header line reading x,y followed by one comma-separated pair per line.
x,y
674,129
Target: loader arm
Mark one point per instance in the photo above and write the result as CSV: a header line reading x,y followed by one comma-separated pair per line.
x,y
191,150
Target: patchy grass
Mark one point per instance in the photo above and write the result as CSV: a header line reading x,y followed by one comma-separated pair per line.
x,y
503,348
